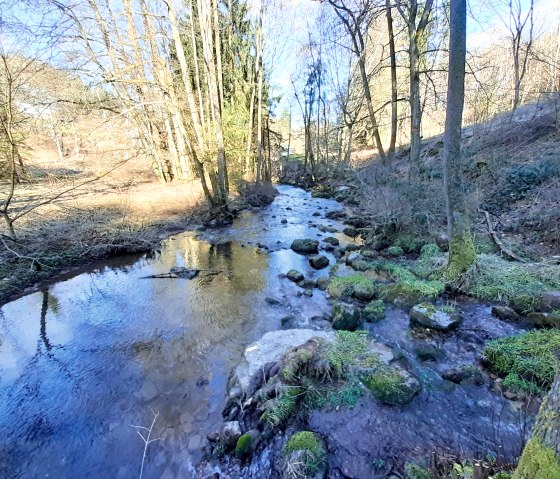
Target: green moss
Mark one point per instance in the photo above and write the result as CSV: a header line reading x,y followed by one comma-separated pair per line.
x,y
537,462
374,311
395,251
518,284
387,385
343,286
244,446
462,256
528,356
311,451
517,384
448,308
409,284
413,471
410,244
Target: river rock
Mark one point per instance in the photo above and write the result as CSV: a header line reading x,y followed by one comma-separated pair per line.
x,y
351,247
230,433
550,301
332,240
544,319
294,275
307,283
505,313
305,246
346,316
327,229
351,231
427,316
270,348
364,291
319,261
323,282
247,443
335,215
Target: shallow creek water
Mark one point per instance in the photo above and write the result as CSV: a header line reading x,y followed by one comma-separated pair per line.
x,y
93,354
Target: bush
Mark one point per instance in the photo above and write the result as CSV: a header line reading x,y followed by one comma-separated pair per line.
x,y
527,361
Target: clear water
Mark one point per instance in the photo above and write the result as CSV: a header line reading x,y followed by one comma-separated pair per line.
x,y
88,357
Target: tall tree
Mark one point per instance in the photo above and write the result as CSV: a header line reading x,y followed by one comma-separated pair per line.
x,y
416,17
356,22
462,253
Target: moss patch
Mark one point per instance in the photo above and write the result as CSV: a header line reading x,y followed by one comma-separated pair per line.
x,y
374,311
306,453
527,361
344,286
243,446
462,256
537,462
389,386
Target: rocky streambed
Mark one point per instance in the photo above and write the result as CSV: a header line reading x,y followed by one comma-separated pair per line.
x,y
290,354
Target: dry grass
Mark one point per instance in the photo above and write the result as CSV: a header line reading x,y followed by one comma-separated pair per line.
x,y
122,212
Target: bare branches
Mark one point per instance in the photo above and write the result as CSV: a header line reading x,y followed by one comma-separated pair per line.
x,y
145,433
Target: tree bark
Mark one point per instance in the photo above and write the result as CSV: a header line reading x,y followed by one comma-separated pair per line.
x,y
541,456
461,247
394,86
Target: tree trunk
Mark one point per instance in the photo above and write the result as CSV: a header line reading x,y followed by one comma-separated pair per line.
x,y
394,92
461,247
541,456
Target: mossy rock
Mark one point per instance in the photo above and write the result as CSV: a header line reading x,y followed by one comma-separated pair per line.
x,y
364,291
391,385
374,311
346,316
345,286
246,444
428,316
414,471
305,455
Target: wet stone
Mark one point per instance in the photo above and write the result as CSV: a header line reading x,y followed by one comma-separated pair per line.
x,y
319,261
294,275
305,246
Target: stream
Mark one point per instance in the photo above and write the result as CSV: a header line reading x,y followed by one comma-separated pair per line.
x,y
97,353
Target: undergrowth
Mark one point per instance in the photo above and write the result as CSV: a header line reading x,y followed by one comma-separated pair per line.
x,y
519,284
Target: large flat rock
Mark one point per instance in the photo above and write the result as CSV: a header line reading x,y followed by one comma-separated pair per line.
x,y
271,347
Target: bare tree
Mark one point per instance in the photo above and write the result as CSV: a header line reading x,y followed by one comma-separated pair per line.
x,y
416,17
461,247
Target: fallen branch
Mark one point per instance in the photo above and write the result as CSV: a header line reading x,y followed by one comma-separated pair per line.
x,y
187,273
503,248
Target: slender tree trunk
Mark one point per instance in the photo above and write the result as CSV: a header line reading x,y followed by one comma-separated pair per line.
x,y
461,247
541,456
259,94
289,135
394,86
249,156
415,104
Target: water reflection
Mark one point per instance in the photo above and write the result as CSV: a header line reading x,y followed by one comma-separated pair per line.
x,y
82,360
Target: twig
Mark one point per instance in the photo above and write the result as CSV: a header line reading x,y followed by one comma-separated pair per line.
x,y
503,248
146,439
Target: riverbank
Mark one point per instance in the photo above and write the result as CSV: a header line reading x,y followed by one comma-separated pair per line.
x,y
90,224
